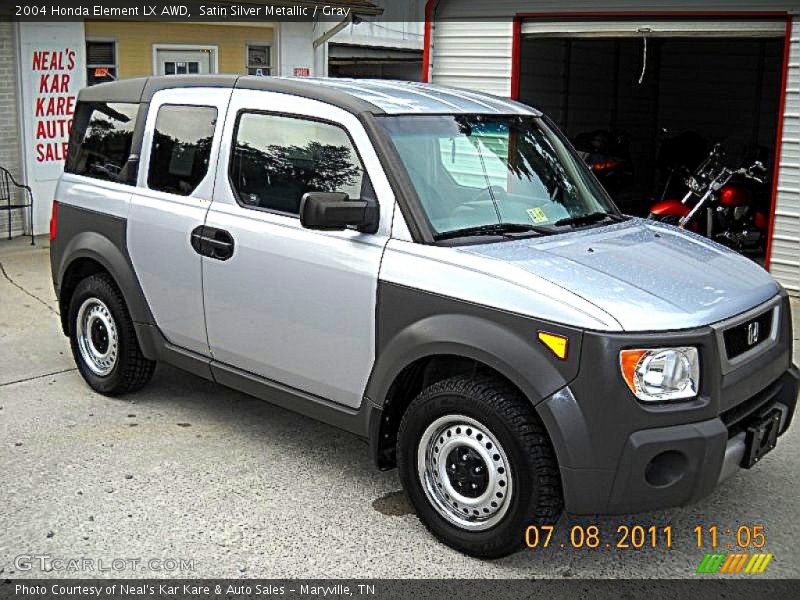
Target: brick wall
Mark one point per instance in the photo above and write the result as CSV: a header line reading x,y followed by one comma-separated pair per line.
x,y
9,117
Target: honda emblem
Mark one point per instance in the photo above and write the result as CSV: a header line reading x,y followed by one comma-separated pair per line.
x,y
752,333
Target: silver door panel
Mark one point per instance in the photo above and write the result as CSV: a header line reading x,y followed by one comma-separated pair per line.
x,y
106,197
159,228
294,306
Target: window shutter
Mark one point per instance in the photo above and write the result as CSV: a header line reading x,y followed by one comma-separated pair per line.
x,y
100,53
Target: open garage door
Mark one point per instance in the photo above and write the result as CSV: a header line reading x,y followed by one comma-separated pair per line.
x,y
646,100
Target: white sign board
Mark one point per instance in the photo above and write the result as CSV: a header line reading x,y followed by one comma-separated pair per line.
x,y
52,70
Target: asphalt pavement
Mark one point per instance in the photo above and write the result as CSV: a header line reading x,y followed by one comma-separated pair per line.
x,y
189,479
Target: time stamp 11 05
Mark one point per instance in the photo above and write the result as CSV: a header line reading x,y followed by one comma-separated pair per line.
x,y
637,537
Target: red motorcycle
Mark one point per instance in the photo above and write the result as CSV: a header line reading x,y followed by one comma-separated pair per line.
x,y
725,210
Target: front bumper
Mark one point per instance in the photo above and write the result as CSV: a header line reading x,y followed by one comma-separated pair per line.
x,y
618,455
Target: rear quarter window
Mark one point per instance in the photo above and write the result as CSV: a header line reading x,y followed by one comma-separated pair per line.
x,y
100,140
181,150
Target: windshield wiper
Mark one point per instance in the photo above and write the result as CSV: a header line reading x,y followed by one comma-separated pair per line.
x,y
501,229
588,219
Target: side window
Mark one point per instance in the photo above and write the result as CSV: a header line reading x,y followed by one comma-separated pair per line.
x,y
100,140
277,159
181,148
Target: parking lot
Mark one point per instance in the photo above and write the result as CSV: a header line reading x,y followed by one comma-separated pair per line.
x,y
195,480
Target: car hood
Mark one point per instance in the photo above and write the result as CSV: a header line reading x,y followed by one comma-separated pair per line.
x,y
646,275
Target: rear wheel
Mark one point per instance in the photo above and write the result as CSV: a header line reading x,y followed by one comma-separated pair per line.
x,y
478,465
103,339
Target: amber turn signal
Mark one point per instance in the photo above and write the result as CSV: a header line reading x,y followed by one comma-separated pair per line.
x,y
629,360
556,343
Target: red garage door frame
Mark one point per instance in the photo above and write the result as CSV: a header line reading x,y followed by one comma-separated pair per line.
x,y
516,64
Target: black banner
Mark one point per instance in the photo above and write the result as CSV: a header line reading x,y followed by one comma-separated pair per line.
x,y
200,589
243,11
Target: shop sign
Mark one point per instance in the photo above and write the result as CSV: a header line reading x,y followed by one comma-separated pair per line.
x,y
54,86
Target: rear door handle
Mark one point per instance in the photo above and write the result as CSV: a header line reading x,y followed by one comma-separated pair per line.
x,y
212,242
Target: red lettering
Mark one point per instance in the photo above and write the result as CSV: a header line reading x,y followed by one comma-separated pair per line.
x,y
56,61
38,60
71,63
55,151
57,128
49,84
55,106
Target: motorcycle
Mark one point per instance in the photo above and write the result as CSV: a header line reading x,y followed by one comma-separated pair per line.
x,y
725,205
678,156
608,156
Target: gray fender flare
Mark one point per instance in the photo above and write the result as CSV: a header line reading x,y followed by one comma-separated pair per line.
x,y
510,348
95,246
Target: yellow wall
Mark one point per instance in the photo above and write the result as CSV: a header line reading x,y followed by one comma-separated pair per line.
x,y
135,42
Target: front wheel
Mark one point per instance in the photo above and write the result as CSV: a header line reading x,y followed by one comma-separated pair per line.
x,y
478,465
103,339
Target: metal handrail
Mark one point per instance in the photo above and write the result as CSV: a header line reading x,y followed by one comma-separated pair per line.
x,y
6,181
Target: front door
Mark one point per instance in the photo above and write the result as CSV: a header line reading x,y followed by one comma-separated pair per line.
x,y
184,62
292,305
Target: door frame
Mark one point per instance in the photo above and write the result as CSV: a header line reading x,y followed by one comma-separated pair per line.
x,y
516,66
213,48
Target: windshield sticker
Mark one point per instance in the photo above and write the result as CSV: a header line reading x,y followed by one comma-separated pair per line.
x,y
537,215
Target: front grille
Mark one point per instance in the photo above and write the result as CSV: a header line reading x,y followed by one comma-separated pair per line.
x,y
747,335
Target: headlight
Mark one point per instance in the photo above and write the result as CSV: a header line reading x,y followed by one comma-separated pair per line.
x,y
661,374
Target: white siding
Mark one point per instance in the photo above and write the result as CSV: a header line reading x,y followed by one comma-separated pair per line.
x,y
785,264
472,46
473,58
507,8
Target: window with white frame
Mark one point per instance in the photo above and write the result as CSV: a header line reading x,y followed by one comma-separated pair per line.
x,y
101,61
259,59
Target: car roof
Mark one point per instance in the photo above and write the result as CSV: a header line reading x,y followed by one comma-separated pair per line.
x,y
377,96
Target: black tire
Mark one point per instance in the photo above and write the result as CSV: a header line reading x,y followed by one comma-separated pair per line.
x,y
536,497
131,369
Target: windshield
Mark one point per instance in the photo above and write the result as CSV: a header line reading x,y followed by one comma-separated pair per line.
x,y
487,171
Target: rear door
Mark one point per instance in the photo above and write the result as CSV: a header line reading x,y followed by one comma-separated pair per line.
x,y
176,184
292,305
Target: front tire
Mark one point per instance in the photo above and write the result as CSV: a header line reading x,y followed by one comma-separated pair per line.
x,y
103,339
478,465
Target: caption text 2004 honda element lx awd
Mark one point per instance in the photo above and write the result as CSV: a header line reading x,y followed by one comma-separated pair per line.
x,y
432,269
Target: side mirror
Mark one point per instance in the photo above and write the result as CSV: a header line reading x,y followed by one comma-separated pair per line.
x,y
334,211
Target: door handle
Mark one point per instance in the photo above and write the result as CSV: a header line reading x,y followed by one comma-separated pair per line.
x,y
212,242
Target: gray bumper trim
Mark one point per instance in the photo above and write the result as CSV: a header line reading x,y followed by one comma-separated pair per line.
x,y
734,450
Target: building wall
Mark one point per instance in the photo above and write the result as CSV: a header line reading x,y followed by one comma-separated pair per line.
x,y
472,48
135,42
399,26
9,117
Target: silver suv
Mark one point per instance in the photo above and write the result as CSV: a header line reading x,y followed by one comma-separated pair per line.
x,y
432,269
